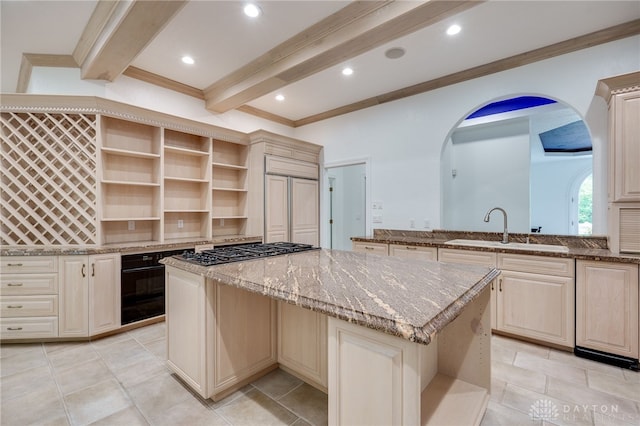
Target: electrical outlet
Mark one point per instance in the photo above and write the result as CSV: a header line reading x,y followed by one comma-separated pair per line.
x,y
427,223
412,223
221,223
131,225
180,223
377,218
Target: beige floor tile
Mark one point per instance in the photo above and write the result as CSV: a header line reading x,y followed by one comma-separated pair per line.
x,y
587,364
543,407
214,405
301,422
307,402
141,371
21,361
523,377
503,354
157,347
190,412
613,386
72,356
519,346
255,408
551,368
96,402
499,415
82,375
110,340
158,393
130,416
24,382
149,333
631,376
277,383
51,347
614,419
599,402
10,349
42,406
124,353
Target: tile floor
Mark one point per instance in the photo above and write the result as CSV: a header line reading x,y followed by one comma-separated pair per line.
x,y
122,380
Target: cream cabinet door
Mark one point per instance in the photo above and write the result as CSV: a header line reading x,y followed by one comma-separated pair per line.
x,y
73,301
537,306
305,221
626,146
276,209
413,252
607,307
104,293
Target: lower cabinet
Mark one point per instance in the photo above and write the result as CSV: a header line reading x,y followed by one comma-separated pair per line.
x,y
375,248
89,299
207,321
536,298
302,343
607,307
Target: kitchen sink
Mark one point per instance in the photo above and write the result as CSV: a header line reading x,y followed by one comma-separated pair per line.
x,y
514,246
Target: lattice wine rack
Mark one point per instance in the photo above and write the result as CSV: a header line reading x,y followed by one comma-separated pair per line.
x,y
48,179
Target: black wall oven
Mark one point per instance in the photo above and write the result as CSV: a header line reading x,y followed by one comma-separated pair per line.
x,y
142,285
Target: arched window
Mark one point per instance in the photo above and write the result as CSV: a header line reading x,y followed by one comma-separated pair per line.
x,y
585,206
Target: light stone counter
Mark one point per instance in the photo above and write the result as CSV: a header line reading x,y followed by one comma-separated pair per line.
x,y
410,299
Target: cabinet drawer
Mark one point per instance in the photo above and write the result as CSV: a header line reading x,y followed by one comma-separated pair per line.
x,y
467,257
376,248
537,264
25,284
28,264
28,306
413,252
28,328
287,167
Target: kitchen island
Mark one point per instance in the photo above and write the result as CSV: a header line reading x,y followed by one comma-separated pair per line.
x,y
395,341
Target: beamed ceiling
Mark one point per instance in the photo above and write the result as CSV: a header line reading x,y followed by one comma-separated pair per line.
x,y
298,48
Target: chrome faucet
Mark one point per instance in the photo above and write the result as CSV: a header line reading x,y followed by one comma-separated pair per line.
x,y
505,234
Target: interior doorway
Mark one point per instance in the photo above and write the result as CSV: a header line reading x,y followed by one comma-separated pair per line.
x,y
347,200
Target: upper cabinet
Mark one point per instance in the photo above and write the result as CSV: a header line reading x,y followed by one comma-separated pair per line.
x,y
622,94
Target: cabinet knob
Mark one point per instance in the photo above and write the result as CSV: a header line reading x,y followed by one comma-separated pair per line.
x,y
411,248
14,306
93,269
83,273
14,285
368,248
500,284
14,328
14,264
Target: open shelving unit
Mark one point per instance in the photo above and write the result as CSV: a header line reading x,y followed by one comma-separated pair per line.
x,y
130,185
229,188
186,185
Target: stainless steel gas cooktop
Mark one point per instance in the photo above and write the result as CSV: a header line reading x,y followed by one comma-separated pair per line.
x,y
237,253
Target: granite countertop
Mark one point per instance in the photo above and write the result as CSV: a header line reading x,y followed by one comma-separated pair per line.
x,y
583,248
406,298
124,248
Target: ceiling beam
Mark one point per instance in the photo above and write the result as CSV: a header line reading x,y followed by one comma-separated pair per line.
x,y
606,35
117,32
355,29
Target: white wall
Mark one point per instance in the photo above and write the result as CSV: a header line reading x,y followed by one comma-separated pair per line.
x,y
405,138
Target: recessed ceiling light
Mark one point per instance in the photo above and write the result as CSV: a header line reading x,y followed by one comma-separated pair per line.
x,y
347,71
453,29
394,53
188,60
252,10
280,98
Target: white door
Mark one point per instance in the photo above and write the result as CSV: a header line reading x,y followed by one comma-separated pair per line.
x,y
347,205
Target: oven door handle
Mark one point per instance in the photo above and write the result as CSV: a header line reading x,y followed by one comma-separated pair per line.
x,y
143,269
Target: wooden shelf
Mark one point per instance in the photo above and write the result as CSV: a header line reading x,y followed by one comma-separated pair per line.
x,y
128,153
126,219
229,189
185,151
228,166
449,401
228,217
129,183
186,143
229,225
195,224
230,154
186,211
182,179
129,137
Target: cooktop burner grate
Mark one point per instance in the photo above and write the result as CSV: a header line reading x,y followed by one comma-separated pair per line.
x,y
237,253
